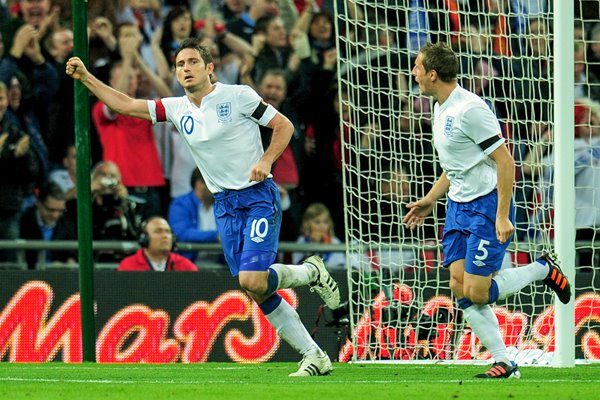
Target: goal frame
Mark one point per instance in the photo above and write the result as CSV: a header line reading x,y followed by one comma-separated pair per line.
x,y
564,219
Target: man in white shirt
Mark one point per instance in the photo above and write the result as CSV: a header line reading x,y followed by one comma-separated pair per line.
x,y
220,125
478,177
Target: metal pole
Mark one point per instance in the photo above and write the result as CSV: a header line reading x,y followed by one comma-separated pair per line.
x,y
84,210
564,175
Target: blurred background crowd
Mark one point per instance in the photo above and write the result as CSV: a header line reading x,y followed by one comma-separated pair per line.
x,y
286,50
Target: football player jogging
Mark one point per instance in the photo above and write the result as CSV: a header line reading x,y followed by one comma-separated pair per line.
x,y
220,125
478,176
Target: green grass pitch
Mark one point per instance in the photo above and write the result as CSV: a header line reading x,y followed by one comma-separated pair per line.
x,y
270,381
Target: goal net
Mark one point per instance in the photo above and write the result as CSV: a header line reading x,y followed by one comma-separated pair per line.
x,y
400,305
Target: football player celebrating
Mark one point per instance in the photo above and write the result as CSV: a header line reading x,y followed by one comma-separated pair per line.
x,y
478,176
220,125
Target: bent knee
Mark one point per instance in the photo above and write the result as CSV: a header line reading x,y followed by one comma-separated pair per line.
x,y
456,287
479,297
253,283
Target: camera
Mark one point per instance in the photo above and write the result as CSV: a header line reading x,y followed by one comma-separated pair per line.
x,y
109,182
427,325
338,317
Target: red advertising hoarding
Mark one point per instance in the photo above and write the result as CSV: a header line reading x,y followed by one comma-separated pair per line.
x,y
196,317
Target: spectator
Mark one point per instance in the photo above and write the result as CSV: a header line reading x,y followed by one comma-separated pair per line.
x,y
178,25
21,115
95,8
531,106
25,59
129,142
227,68
277,53
102,45
321,176
539,165
154,69
273,90
37,14
20,169
61,120
146,15
395,193
46,221
66,178
378,224
317,227
587,84
233,9
4,16
244,25
319,28
110,199
475,66
156,250
193,220
593,57
115,215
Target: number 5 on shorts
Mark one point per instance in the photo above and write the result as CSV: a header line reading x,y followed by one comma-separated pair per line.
x,y
484,253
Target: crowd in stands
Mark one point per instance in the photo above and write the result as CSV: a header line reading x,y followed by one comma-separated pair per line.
x,y
286,51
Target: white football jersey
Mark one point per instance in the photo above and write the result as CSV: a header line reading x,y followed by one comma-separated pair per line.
x,y
222,134
465,133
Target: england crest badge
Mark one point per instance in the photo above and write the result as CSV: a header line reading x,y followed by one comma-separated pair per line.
x,y
224,112
449,126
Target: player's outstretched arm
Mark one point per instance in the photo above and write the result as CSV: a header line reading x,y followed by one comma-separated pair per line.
x,y
420,209
115,100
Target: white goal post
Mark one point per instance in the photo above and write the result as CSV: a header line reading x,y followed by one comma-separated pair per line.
x,y
518,55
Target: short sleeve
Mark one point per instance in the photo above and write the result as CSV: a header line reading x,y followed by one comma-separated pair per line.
x,y
481,125
157,111
162,110
254,107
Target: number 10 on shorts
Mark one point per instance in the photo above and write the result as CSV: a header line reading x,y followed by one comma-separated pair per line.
x,y
259,229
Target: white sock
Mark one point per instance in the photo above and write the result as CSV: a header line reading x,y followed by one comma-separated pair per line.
x,y
292,276
512,280
485,326
287,323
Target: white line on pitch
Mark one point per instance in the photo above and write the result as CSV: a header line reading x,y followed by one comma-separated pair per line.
x,y
325,380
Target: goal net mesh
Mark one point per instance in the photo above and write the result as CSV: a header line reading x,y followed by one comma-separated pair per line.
x,y
400,305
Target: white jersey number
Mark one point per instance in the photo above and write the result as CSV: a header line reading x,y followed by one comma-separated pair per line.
x,y
479,258
260,229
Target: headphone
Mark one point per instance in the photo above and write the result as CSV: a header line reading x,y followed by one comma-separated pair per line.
x,y
144,238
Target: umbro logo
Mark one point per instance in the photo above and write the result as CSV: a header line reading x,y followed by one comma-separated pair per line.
x,y
479,263
257,239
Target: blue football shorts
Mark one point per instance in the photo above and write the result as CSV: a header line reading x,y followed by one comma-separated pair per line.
x,y
249,221
470,234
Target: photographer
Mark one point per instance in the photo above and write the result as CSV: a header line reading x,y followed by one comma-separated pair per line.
x,y
114,212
